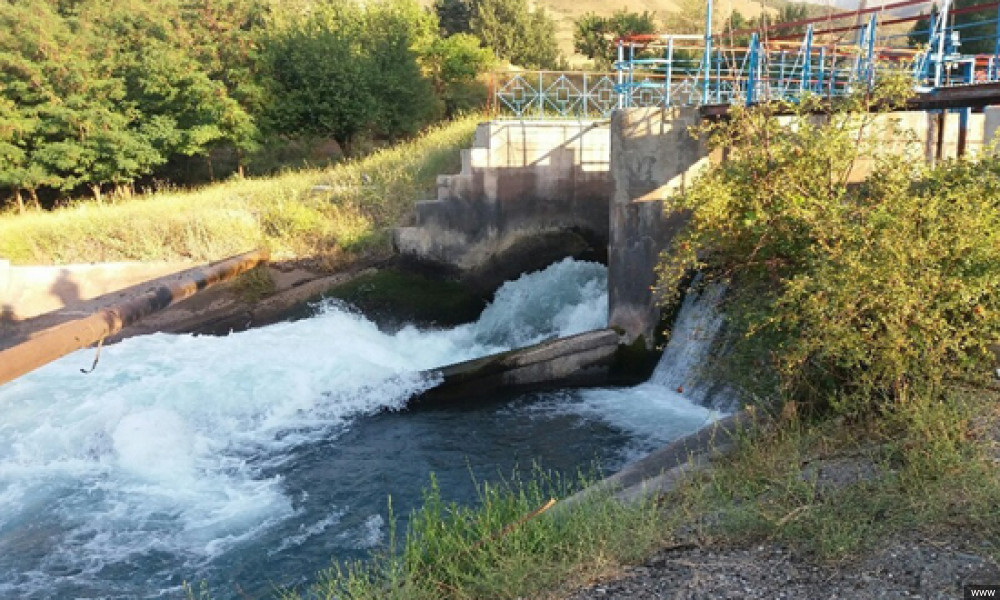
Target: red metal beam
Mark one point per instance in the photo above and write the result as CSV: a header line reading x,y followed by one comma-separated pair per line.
x,y
811,20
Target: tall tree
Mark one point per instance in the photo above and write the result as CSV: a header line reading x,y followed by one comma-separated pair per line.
x,y
508,27
454,63
594,35
400,33
58,74
454,16
319,75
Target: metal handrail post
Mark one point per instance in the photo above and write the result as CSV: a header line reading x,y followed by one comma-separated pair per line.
x,y
621,76
942,26
541,96
708,51
996,49
822,70
870,59
752,68
806,56
670,70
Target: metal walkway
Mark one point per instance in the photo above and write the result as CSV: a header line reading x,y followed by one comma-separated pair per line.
x,y
827,56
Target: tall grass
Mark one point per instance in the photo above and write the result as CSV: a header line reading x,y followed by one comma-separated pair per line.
x,y
289,213
835,488
507,546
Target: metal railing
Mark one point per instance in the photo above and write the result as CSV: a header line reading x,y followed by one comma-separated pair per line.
x,y
827,56
554,94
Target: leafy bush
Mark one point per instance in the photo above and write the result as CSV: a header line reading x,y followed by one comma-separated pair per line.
x,y
856,295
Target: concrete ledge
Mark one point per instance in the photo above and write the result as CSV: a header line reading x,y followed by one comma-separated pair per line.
x,y
583,359
662,470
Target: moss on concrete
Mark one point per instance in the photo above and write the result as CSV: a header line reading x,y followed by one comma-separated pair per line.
x,y
634,363
395,296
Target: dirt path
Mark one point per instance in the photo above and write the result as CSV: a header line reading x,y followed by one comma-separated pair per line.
x,y
910,568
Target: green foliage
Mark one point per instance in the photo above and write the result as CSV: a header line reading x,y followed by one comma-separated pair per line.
x,y
509,28
977,28
454,16
594,35
99,95
857,296
93,94
455,63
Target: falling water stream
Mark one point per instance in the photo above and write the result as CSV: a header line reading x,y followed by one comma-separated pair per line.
x,y
251,461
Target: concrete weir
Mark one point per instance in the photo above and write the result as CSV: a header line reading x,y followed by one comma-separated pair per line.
x,y
575,361
522,183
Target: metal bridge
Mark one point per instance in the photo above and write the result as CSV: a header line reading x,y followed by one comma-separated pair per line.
x,y
827,56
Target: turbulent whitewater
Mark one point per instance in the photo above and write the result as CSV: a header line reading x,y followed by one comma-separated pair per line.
x,y
256,458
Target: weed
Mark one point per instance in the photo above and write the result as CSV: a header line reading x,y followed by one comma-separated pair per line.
x,y
255,284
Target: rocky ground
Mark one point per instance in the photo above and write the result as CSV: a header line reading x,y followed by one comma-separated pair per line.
x,y
910,568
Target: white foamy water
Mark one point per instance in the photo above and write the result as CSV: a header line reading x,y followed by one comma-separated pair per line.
x,y
699,321
167,451
674,401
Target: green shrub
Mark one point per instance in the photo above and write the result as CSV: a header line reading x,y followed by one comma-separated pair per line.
x,y
855,295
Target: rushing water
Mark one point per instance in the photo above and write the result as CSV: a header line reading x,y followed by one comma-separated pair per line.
x,y
251,461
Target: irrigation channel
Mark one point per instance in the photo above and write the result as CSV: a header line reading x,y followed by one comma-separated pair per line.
x,y
252,461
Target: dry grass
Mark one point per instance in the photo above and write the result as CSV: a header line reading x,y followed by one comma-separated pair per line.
x,y
346,215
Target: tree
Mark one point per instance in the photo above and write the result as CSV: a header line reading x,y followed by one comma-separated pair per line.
x,y
594,36
454,16
787,14
58,76
15,128
343,69
454,63
978,28
316,71
507,27
169,59
400,33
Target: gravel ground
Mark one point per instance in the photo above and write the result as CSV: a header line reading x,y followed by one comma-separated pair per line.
x,y
915,568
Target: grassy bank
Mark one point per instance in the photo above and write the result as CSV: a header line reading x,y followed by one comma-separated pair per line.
x,y
517,542
346,215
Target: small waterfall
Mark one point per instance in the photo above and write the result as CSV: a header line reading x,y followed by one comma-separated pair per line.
x,y
680,397
682,366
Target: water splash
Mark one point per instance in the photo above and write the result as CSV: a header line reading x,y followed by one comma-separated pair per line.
x,y
172,452
695,331
678,399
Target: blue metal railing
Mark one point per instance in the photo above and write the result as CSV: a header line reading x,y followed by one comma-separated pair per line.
x,y
694,70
